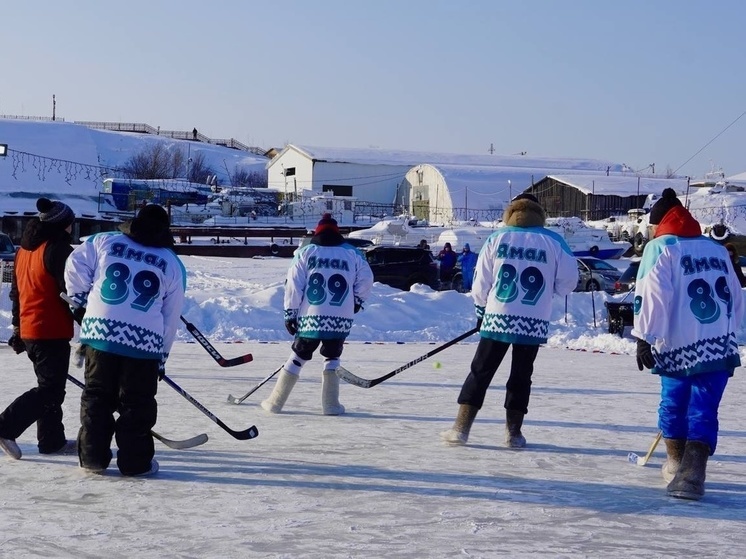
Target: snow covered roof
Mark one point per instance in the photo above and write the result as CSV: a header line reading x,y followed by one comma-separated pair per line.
x,y
377,156
740,177
621,185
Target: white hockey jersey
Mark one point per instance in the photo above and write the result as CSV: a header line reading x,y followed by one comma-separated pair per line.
x,y
518,271
323,284
133,295
688,305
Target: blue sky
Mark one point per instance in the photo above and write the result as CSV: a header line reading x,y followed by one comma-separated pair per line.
x,y
635,82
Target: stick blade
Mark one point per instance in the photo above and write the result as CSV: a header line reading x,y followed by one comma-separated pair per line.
x,y
355,380
240,360
233,400
250,433
182,444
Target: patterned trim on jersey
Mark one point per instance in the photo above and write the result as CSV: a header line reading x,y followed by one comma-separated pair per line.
x,y
324,327
121,338
515,329
703,356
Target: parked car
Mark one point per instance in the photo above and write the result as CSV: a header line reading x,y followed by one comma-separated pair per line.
x,y
626,281
595,274
402,267
7,257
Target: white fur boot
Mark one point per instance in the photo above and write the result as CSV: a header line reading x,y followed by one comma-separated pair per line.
x,y
279,396
330,393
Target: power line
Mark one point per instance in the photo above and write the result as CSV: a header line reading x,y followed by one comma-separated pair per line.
x,y
708,143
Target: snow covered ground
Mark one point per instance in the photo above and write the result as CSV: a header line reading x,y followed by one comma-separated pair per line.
x,y
377,481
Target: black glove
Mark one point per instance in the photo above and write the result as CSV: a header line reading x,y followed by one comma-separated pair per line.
x,y
162,368
358,308
645,357
78,314
16,342
291,325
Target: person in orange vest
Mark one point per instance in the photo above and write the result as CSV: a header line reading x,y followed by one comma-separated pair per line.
x,y
43,328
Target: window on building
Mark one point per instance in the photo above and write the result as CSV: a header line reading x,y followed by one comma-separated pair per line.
x,y
337,189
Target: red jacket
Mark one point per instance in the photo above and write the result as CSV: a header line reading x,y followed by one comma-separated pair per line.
x,y
38,279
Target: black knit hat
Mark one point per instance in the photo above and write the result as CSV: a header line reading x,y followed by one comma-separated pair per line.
x,y
54,212
154,213
326,223
667,201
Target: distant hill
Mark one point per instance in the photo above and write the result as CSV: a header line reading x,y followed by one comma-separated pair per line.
x,y
69,161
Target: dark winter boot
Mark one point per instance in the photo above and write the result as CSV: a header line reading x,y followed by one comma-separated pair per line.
x,y
674,452
689,482
459,433
513,423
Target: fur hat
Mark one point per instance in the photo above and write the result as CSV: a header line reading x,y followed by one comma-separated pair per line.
x,y
667,201
524,211
326,223
526,196
54,212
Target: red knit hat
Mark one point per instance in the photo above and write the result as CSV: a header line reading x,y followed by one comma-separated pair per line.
x,y
327,223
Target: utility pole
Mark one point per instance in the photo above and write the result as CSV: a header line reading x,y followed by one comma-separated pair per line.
x,y
54,107
492,149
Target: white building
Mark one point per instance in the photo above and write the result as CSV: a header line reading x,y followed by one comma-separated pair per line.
x,y
383,177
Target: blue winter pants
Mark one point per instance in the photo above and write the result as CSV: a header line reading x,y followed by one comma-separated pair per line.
x,y
689,407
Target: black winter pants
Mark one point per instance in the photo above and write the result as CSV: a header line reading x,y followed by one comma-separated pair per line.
x,y
304,347
486,360
42,404
123,385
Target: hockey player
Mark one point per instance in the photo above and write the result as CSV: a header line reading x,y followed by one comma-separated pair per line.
x,y
132,286
43,328
688,305
327,283
520,267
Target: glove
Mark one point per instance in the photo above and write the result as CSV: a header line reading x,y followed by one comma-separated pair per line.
x,y
291,325
16,342
645,357
480,315
80,355
358,305
162,367
78,314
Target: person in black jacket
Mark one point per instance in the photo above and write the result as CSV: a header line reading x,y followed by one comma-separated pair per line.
x,y
43,328
132,285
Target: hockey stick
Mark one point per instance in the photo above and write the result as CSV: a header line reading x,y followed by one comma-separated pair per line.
x,y
249,433
233,400
178,445
222,361
347,376
214,353
632,457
